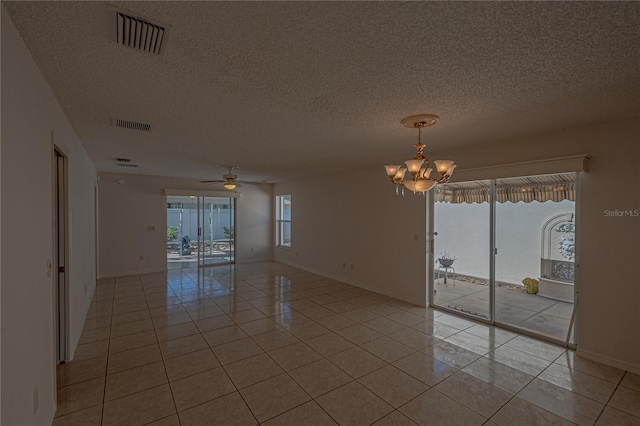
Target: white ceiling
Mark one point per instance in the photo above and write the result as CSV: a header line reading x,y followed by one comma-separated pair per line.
x,y
290,89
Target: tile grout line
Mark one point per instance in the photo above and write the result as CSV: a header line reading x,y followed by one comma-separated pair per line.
x,y
611,396
106,369
162,358
333,331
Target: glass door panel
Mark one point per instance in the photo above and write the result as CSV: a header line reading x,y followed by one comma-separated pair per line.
x,y
216,243
462,248
535,253
182,232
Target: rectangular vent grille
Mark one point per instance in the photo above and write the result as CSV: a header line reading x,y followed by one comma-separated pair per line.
x,y
123,160
139,34
127,165
115,122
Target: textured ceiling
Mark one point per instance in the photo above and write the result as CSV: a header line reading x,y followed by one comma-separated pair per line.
x,y
289,89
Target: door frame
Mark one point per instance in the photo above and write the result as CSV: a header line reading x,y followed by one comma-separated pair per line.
x,y
60,254
492,270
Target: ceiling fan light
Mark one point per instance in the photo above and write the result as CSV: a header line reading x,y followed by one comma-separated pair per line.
x,y
230,186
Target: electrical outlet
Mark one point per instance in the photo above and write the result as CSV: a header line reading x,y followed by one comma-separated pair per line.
x,y
35,400
251,249
49,268
353,267
415,237
151,228
344,265
297,253
141,258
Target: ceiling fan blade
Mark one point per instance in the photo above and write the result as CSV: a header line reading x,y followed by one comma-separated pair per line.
x,y
212,181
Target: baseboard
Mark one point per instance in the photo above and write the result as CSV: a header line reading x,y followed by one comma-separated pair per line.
x,y
623,365
52,412
354,283
261,259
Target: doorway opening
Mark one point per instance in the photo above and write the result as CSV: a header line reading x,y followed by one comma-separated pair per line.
x,y
200,231
60,256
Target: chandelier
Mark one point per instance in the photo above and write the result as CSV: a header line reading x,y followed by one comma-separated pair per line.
x,y
421,180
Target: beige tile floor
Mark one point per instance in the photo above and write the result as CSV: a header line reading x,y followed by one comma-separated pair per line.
x,y
270,344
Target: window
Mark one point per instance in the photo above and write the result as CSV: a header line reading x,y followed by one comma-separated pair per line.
x,y
283,221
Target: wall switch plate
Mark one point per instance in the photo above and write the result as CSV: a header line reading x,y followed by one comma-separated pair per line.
x,y
151,228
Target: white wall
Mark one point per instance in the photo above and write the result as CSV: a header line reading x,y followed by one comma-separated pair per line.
x,y
30,113
354,217
463,232
126,211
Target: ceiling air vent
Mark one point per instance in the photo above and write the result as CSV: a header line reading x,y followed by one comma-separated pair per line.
x,y
116,122
123,160
138,33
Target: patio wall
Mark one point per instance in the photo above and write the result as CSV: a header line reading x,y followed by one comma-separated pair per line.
x,y
463,232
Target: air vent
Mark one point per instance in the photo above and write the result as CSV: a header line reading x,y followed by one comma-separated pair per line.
x,y
123,160
116,122
127,165
138,33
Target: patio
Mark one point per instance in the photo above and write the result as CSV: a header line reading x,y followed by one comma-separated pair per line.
x,y
528,311
218,251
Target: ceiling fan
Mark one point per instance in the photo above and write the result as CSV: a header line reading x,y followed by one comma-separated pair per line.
x,y
229,179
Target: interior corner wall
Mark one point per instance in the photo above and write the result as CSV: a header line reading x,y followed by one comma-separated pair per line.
x,y
334,224
364,235
30,115
126,211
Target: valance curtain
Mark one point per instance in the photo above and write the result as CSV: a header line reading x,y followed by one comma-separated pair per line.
x,y
543,188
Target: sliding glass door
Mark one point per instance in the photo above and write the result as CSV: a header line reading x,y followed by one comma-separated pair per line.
x,y
216,242
461,249
535,253
504,251
200,231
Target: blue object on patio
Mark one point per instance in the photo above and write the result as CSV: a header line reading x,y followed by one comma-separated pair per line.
x,y
184,247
